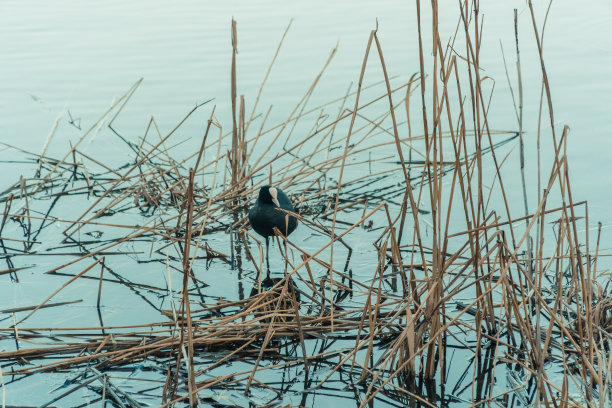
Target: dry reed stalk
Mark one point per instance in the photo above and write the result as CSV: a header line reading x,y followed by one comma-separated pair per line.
x,y
83,272
138,163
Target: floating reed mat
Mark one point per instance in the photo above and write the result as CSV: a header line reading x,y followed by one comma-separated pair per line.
x,y
415,276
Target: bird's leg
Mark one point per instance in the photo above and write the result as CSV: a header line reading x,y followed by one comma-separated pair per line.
x,y
267,258
286,255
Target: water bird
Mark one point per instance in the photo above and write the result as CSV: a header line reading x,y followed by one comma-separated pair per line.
x,y
265,214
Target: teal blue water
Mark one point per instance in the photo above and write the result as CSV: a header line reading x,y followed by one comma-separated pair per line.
x,y
77,56
68,60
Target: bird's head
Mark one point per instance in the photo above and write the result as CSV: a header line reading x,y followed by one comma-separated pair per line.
x,y
269,195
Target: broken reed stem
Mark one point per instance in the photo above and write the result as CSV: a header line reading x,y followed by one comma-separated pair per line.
x,y
233,95
100,284
185,306
348,137
83,272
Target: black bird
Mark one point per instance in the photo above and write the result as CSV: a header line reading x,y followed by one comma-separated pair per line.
x,y
265,215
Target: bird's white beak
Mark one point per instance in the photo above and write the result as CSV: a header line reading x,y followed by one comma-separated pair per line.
x,y
274,195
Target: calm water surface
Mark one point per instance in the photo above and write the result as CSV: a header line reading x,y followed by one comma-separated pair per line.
x,y
72,58
77,56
